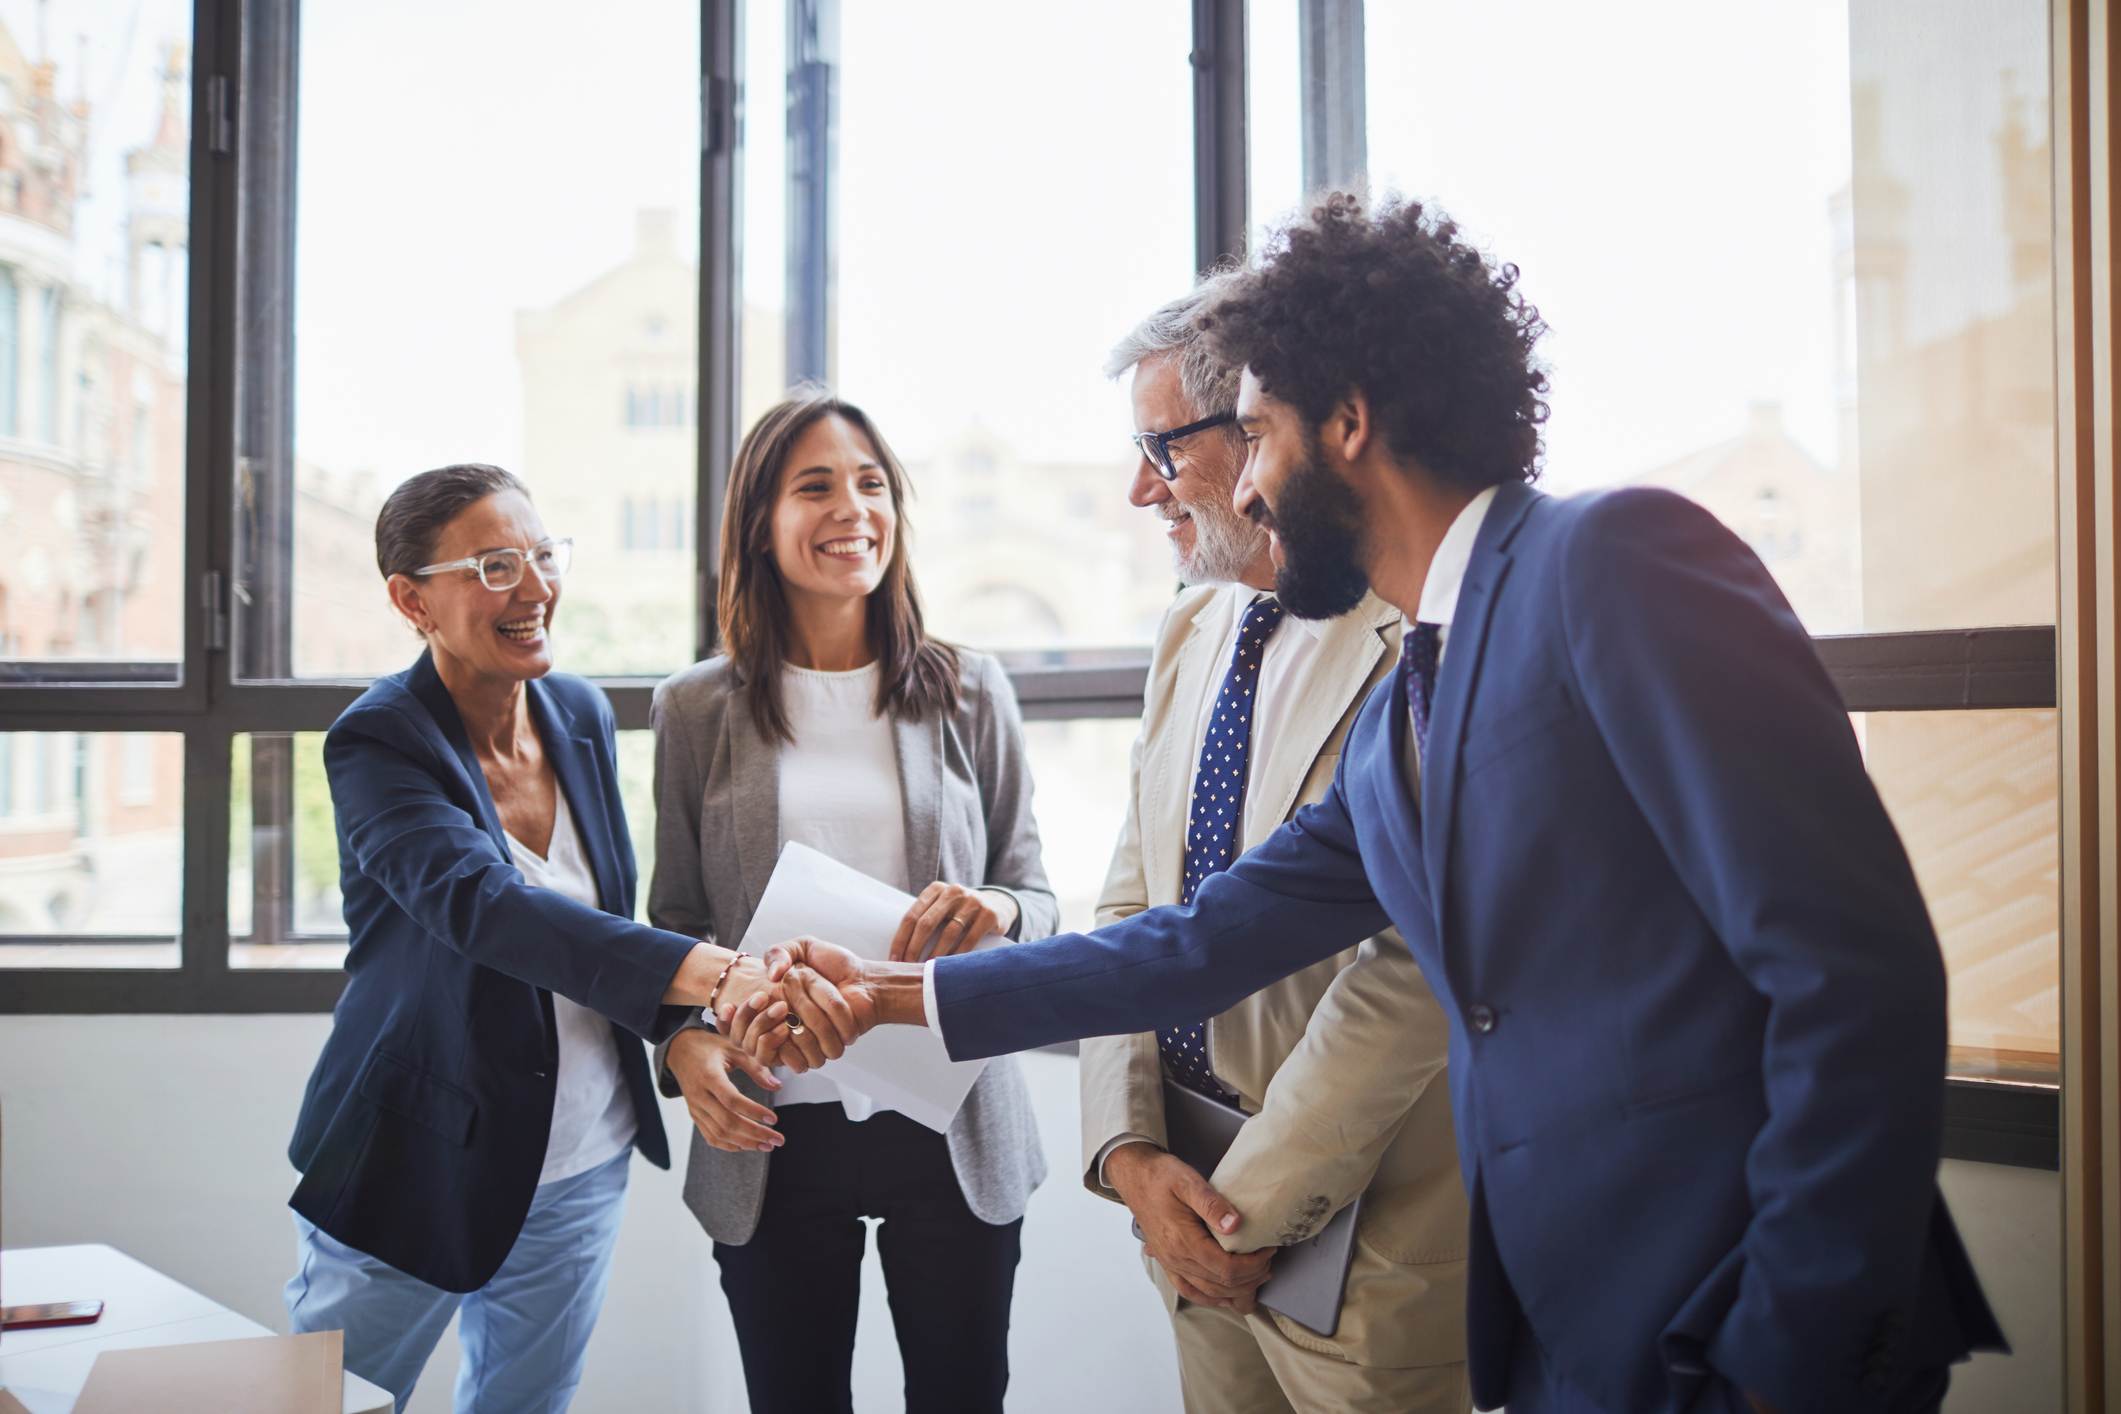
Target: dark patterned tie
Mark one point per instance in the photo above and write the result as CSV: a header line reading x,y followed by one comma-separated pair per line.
x,y
1419,653
1218,812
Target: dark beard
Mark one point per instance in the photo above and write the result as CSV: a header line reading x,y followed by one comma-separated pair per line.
x,y
1319,523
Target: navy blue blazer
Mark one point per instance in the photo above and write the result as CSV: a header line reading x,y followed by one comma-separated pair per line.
x,y
1698,1024
423,1129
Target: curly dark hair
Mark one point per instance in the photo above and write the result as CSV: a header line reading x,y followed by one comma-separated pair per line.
x,y
1394,303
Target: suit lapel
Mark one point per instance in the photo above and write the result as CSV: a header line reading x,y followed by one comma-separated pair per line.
x,y
1167,779
1402,812
1348,651
426,684
920,780
753,801
573,758
1460,673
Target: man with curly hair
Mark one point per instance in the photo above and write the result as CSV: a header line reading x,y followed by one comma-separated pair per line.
x,y
1339,1067
1612,801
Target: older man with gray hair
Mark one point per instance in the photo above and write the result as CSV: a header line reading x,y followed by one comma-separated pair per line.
x,y
1340,1067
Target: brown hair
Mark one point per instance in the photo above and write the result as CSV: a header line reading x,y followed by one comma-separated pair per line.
x,y
413,519
917,674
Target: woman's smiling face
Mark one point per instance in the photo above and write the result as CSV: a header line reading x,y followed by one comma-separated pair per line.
x,y
834,521
498,634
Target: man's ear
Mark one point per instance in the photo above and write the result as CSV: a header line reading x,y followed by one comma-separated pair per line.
x,y
1348,429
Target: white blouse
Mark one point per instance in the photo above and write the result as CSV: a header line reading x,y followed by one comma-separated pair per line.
x,y
592,1115
840,795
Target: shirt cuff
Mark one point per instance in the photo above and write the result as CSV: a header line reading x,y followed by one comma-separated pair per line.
x,y
928,1006
1111,1145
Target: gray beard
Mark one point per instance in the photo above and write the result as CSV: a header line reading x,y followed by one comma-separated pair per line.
x,y
1224,547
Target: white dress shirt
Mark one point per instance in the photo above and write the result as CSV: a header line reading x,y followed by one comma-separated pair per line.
x,y
1438,603
1439,599
1290,650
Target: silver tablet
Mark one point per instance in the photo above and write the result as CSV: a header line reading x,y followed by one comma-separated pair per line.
x,y
1310,1277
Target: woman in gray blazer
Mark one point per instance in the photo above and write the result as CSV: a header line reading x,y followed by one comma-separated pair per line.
x,y
832,719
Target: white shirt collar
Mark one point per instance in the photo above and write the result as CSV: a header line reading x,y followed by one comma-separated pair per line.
x,y
1242,595
1447,572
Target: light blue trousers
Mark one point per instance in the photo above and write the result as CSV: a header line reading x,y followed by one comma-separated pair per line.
x,y
523,1333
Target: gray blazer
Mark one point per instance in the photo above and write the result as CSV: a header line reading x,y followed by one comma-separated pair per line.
x,y
967,791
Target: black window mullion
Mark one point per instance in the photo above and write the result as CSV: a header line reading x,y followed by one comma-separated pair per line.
x,y
202,941
1220,197
723,113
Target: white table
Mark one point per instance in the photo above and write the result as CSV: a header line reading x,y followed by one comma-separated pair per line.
x,y
45,1368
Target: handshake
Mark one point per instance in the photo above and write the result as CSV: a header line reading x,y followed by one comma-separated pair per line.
x,y
804,1003
801,1005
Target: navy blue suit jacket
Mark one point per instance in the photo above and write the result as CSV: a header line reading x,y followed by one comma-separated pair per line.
x,y
1698,1023
423,1129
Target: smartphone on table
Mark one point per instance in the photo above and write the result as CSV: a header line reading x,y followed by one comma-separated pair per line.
x,y
51,1313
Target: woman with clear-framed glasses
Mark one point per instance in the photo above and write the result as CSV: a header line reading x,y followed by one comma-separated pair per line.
x,y
465,1137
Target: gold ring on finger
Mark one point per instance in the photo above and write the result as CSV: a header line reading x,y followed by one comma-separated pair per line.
x,y
795,1026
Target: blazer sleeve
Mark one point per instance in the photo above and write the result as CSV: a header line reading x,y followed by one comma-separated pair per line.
x,y
444,871
677,894
1121,1077
1015,860
1374,1045
1736,746
1298,898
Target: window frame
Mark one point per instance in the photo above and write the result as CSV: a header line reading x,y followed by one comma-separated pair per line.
x,y
242,103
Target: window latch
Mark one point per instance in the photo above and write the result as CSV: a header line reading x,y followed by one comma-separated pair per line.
x,y
213,604
220,116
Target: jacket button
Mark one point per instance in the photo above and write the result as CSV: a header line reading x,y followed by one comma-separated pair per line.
x,y
1483,1019
539,1074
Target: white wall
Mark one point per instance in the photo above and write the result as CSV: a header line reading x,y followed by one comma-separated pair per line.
x,y
166,1137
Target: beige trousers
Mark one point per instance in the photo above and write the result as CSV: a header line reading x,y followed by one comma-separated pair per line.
x,y
1232,1364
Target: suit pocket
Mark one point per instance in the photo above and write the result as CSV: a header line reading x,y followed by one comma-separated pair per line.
x,y
1685,1339
1548,713
411,1093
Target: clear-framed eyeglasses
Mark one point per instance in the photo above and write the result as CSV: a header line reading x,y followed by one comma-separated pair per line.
x,y
502,570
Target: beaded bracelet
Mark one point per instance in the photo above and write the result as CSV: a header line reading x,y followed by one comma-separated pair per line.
x,y
715,994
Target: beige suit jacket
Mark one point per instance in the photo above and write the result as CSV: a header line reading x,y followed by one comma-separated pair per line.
x,y
1341,1065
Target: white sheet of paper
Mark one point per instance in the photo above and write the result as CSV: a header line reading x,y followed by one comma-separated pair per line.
x,y
811,894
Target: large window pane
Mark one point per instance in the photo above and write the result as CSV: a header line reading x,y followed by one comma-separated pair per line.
x,y
284,905
95,164
1081,770
1973,796
991,236
1809,288
479,278
90,824
283,854
1274,120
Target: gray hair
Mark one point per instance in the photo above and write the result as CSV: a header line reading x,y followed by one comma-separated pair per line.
x,y
1208,383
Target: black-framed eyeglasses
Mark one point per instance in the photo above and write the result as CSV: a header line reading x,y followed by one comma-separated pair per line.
x,y
1156,446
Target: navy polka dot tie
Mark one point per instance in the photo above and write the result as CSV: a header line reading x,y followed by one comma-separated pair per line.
x,y
1419,653
1216,825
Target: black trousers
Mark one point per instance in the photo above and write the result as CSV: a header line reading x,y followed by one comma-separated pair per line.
x,y
795,1288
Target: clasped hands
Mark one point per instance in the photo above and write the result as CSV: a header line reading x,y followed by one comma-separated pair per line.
x,y
807,1001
